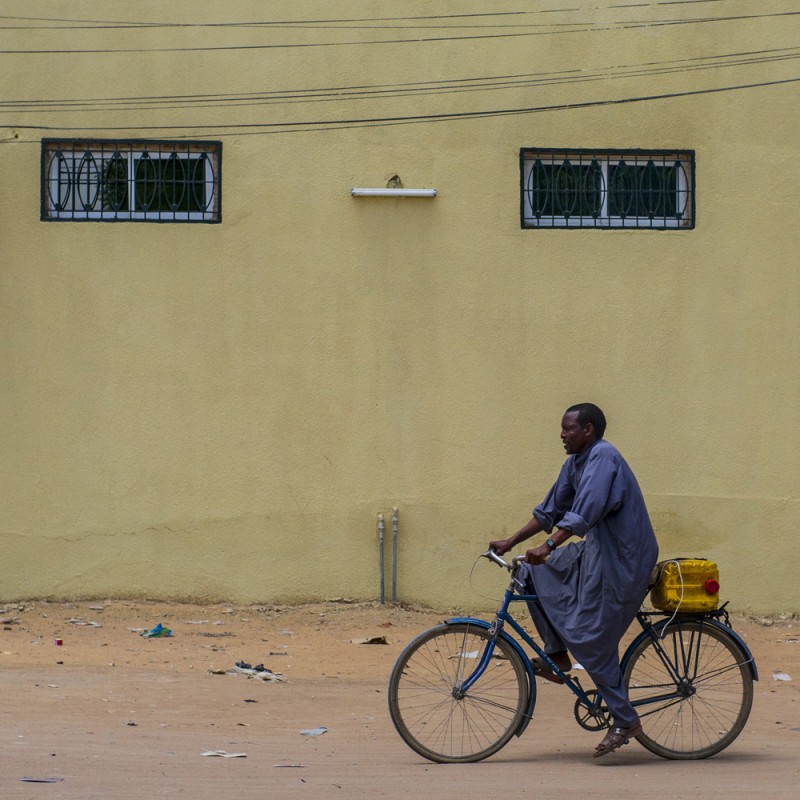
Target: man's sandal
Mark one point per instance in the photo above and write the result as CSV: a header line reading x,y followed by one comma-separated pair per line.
x,y
615,738
541,669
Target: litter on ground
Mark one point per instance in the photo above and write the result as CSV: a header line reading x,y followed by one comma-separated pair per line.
x,y
159,632
314,731
259,672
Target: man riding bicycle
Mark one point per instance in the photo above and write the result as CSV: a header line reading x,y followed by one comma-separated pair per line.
x,y
589,591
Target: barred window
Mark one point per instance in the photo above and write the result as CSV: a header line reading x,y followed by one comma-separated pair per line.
x,y
132,181
607,189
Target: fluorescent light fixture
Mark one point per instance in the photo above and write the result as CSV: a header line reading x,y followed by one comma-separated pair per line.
x,y
387,192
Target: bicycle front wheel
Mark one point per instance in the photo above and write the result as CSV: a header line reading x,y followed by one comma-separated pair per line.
x,y
693,690
431,713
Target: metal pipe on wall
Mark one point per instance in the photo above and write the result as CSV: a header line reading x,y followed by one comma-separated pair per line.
x,y
394,553
380,552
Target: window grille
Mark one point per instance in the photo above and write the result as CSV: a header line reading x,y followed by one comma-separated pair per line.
x,y
131,181
607,189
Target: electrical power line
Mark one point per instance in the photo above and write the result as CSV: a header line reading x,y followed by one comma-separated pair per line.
x,y
84,24
570,28
410,89
243,129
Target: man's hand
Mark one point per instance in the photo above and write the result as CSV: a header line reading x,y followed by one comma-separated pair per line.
x,y
501,546
538,555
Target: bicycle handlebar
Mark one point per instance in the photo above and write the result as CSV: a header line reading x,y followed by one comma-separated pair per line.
x,y
500,561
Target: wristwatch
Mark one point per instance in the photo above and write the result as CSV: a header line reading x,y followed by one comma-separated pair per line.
x,y
551,544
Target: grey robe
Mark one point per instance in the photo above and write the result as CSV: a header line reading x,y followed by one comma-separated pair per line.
x,y
591,590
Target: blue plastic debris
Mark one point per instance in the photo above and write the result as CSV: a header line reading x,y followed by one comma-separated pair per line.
x,y
157,633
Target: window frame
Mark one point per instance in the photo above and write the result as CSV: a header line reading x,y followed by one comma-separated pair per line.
x,y
685,188
88,152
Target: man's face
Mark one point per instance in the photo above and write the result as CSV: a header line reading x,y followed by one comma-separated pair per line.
x,y
574,437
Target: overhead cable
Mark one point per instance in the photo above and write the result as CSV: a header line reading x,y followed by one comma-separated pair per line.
x,y
338,94
240,129
416,40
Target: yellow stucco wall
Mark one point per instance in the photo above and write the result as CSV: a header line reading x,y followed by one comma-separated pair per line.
x,y
222,411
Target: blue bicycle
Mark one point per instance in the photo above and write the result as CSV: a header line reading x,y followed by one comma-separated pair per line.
x,y
461,690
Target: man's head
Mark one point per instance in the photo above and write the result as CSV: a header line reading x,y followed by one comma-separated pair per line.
x,y
582,425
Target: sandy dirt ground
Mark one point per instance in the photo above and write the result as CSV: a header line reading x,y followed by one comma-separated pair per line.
x,y
111,714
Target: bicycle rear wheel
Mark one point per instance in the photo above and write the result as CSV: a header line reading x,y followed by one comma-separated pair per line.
x,y
693,693
426,705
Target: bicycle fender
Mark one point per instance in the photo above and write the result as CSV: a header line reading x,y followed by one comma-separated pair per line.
x,y
515,645
751,662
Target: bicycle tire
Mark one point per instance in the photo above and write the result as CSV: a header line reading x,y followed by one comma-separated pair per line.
x,y
423,705
715,683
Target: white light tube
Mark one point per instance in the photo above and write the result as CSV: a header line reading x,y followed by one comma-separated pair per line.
x,y
386,192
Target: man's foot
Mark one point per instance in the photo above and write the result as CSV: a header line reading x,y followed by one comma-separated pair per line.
x,y
561,660
540,668
616,738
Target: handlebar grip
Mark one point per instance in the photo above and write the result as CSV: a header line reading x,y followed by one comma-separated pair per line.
x,y
499,560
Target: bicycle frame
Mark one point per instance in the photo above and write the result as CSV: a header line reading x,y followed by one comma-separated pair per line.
x,y
594,705
496,630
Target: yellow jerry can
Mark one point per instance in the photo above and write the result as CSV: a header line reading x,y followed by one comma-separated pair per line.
x,y
686,585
